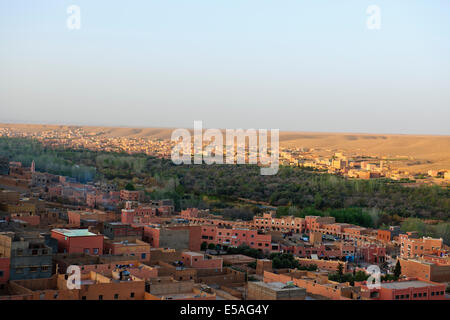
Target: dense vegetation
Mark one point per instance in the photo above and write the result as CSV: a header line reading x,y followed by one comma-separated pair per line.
x,y
287,260
295,191
340,276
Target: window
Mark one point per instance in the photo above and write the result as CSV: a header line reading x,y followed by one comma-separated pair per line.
x,y
424,294
116,296
1,273
143,255
45,268
432,294
33,269
83,298
86,250
100,297
415,295
132,295
19,252
95,250
420,294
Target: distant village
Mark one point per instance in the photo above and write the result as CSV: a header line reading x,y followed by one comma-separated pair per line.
x,y
356,166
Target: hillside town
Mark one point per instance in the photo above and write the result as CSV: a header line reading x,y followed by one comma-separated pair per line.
x,y
354,165
122,246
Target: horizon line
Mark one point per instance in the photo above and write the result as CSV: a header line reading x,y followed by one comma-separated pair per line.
x,y
191,128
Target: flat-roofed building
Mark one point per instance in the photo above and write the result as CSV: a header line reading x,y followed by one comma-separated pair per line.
x,y
411,247
201,261
135,249
409,289
258,290
29,256
78,241
122,231
166,288
437,271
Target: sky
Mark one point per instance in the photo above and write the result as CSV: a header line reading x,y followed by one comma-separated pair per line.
x,y
293,65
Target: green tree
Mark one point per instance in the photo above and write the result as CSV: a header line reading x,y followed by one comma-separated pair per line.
x,y
211,246
397,269
204,246
130,187
340,270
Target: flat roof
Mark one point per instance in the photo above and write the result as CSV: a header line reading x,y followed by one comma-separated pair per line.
x,y
406,284
192,253
278,286
75,232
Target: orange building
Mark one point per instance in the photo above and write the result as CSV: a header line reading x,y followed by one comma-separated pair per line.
x,y
285,224
78,241
75,217
201,261
4,270
315,283
93,286
411,247
137,249
127,195
437,271
384,235
409,289
175,237
236,237
314,223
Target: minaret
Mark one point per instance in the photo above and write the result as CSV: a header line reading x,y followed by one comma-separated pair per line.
x,y
33,167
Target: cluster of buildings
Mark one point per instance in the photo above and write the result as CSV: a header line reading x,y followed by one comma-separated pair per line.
x,y
353,166
79,138
359,166
135,249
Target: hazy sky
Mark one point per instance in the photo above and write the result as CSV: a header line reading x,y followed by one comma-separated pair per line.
x,y
310,65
